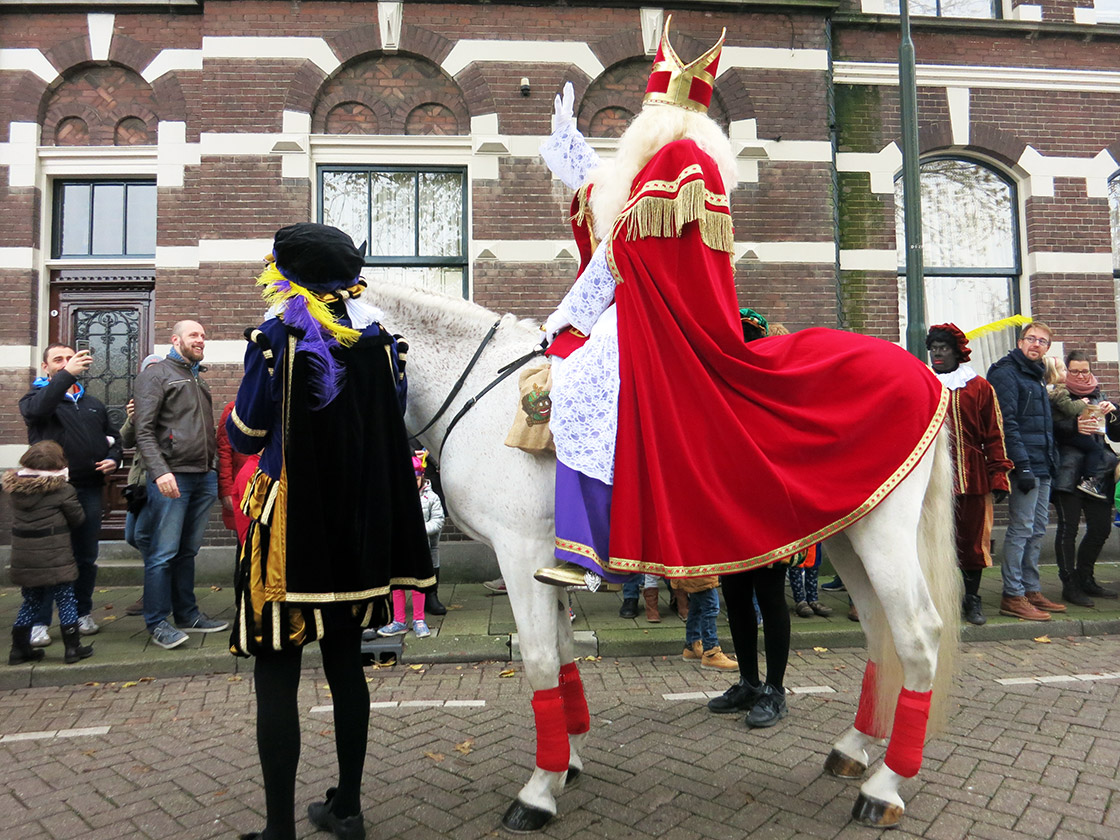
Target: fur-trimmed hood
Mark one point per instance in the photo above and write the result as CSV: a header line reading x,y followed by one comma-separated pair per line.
x,y
30,485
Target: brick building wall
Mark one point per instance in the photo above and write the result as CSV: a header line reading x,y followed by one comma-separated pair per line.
x,y
232,106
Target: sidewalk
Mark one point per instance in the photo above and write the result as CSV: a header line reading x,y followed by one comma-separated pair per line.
x,y
479,627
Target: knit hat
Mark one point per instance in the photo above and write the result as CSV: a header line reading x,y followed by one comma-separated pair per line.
x,y
420,461
951,334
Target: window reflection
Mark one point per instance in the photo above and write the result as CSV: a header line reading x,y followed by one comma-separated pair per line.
x,y
412,220
1114,219
105,219
947,8
969,240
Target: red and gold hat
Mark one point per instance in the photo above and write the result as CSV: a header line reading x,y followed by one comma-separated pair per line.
x,y
672,82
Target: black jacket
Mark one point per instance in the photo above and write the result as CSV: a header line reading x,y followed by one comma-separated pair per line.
x,y
81,428
1071,459
1028,430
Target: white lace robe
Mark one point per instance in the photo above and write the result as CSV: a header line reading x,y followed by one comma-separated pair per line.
x,y
585,385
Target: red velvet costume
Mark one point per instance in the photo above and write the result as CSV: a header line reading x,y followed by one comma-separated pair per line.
x,y
980,466
731,456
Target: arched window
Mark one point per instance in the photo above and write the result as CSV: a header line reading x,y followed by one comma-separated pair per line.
x,y
1114,221
970,238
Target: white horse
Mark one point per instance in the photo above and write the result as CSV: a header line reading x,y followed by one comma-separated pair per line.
x,y
898,562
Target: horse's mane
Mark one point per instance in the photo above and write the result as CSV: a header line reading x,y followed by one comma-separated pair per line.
x,y
450,314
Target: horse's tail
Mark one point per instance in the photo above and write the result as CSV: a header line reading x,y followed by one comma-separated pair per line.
x,y
937,556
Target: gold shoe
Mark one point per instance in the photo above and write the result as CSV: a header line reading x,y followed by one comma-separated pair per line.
x,y
574,577
566,574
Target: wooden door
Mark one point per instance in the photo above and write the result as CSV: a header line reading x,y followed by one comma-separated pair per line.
x,y
111,312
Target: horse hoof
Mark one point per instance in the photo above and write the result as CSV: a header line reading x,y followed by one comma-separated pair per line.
x,y
875,812
572,779
524,819
844,766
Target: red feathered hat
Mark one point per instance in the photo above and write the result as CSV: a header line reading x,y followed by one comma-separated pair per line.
x,y
953,332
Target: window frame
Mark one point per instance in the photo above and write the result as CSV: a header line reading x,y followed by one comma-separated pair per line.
x,y
996,8
58,185
419,261
1114,233
1014,272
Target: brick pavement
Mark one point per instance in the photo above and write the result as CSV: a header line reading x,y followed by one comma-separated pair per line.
x,y
178,761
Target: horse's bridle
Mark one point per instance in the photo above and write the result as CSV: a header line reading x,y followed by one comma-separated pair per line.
x,y
503,372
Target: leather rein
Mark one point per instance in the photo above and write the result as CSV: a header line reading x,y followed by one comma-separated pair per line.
x,y
503,372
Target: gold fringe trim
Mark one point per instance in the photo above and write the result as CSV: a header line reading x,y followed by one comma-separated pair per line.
x,y
659,216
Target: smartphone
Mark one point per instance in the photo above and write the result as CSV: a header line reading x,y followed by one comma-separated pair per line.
x,y
79,346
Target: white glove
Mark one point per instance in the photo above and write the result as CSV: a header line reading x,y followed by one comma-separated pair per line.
x,y
565,108
555,322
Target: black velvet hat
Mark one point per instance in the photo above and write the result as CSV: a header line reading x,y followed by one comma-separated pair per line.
x,y
318,257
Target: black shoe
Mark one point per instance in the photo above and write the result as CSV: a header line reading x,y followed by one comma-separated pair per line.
x,y
21,647
346,828
629,608
834,585
1072,594
432,603
739,698
1090,587
768,709
72,641
971,610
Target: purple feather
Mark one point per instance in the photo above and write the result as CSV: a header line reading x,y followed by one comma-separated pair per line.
x,y
325,375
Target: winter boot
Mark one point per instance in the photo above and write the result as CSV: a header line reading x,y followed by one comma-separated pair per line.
x,y
1073,594
653,615
72,641
432,603
21,647
629,608
1090,586
972,612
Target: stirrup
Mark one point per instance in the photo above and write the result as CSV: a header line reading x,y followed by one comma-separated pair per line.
x,y
575,577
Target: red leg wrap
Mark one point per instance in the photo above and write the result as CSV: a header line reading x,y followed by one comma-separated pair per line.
x,y
904,752
865,714
576,714
553,751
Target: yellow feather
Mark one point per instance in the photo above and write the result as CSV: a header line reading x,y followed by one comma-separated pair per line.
x,y
996,326
276,295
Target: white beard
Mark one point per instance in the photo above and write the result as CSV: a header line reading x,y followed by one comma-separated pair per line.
x,y
654,127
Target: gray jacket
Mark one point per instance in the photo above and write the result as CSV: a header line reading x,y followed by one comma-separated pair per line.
x,y
174,420
433,518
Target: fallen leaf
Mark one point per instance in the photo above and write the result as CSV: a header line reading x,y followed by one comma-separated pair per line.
x,y
1043,640
416,667
128,684
90,753
508,672
465,747
821,650
215,588
454,606
592,658
220,792
92,684
235,679
434,756
326,733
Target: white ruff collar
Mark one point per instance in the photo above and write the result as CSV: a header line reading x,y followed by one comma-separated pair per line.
x,y
958,378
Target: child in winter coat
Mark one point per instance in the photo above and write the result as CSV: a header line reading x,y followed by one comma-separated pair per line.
x,y
45,508
433,519
1066,404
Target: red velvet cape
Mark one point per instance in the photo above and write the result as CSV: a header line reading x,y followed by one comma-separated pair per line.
x,y
731,456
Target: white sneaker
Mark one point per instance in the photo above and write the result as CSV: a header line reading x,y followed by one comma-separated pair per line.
x,y
39,636
87,626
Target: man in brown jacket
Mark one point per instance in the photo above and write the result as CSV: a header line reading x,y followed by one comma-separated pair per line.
x,y
174,420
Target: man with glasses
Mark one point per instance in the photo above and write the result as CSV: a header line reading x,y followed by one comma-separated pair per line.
x,y
1019,382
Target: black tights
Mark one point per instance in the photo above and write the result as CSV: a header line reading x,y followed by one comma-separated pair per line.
x,y
768,584
276,681
971,581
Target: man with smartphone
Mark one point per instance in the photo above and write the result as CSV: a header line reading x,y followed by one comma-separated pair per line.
x,y
58,408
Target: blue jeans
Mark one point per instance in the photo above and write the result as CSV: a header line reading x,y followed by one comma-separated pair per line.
x,y
177,528
138,529
703,607
635,583
84,544
1029,514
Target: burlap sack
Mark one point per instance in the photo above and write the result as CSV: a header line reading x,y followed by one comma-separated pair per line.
x,y
530,431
